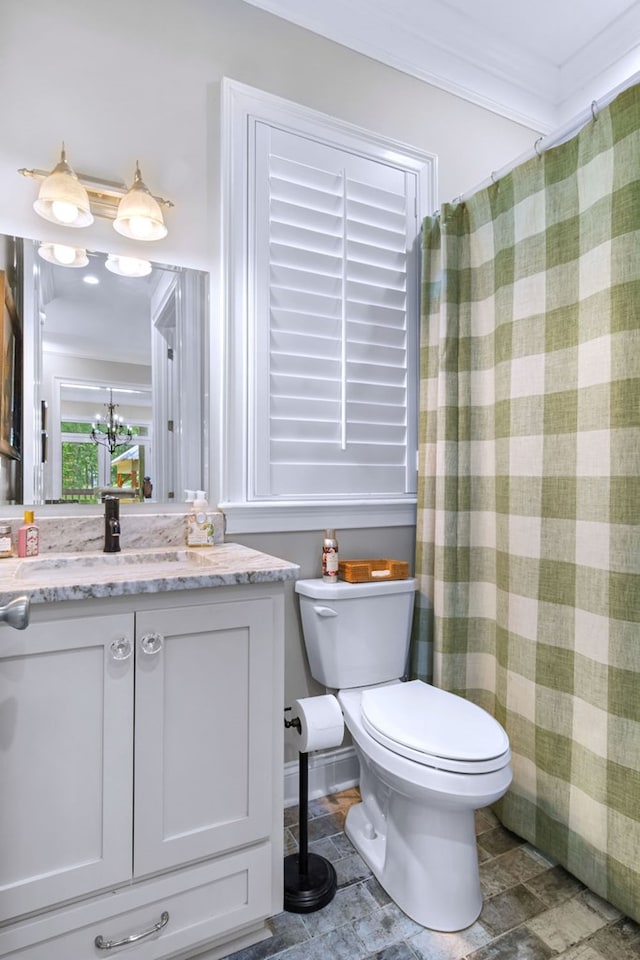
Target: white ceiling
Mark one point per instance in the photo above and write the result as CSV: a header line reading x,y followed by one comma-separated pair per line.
x,y
109,320
539,62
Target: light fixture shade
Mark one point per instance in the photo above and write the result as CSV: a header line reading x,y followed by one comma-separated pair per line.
x,y
127,266
62,199
62,256
139,215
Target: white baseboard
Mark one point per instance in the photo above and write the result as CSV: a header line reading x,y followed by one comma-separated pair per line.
x,y
329,772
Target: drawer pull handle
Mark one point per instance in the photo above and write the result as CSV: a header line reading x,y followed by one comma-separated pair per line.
x,y
103,944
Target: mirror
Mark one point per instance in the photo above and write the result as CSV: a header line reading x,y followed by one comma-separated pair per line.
x,y
94,338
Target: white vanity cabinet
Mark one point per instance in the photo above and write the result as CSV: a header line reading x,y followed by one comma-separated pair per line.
x,y
66,772
141,775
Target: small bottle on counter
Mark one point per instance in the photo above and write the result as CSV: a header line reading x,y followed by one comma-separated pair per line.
x,y
330,557
200,530
6,549
28,537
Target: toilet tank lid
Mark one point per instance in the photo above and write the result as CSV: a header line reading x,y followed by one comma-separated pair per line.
x,y
321,590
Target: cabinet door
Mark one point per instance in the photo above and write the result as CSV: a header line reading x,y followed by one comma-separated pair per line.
x,y
66,766
204,731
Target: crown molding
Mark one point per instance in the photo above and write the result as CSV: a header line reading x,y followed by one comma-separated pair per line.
x,y
489,69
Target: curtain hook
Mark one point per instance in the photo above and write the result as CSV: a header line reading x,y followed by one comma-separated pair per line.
x,y
594,110
535,147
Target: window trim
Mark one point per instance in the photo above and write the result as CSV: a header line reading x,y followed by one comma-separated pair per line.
x,y
240,104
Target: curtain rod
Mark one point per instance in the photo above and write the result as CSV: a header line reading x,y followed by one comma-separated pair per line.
x,y
553,139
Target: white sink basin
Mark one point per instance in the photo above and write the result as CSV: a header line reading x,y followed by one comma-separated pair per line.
x,y
105,564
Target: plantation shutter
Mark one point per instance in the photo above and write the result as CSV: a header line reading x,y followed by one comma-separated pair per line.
x,y
332,391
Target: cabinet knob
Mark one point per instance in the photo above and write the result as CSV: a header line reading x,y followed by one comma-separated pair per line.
x,y
151,643
121,649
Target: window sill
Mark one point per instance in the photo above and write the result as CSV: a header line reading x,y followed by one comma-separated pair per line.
x,y
298,515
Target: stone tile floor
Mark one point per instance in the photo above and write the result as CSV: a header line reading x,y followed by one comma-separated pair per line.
x,y
533,909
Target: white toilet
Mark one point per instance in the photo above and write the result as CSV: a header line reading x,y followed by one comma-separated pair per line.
x,y
428,758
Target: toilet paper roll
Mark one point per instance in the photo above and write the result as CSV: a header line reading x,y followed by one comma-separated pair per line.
x,y
321,723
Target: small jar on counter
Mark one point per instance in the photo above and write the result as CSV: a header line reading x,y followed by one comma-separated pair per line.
x,y
6,549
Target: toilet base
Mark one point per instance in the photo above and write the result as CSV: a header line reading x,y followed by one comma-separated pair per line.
x,y
432,875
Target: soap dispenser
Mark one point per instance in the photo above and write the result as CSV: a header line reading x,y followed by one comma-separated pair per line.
x,y
200,528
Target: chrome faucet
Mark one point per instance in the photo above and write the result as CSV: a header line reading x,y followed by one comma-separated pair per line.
x,y
111,525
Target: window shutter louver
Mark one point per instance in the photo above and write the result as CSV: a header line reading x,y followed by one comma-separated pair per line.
x,y
331,385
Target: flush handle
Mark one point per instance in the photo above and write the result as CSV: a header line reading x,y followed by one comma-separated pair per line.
x,y
324,611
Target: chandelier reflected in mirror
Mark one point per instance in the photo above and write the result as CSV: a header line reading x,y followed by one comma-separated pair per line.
x,y
111,432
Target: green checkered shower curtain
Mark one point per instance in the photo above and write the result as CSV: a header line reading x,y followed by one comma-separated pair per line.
x,y
528,552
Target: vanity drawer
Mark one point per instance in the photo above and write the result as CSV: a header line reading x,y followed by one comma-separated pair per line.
x,y
203,903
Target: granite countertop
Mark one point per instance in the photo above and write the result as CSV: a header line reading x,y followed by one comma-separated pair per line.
x,y
53,577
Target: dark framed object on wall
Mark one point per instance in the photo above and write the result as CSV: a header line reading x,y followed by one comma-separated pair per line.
x,y
11,374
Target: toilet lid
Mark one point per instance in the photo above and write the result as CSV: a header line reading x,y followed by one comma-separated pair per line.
x,y
433,726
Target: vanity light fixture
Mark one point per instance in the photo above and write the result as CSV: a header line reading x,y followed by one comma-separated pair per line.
x,y
63,256
111,433
72,199
127,266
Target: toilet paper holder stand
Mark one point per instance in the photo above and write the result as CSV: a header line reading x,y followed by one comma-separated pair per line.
x,y
310,881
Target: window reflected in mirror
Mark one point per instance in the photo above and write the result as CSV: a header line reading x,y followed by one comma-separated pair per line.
x,y
89,468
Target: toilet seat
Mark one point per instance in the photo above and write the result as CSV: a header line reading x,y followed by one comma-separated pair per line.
x,y
434,727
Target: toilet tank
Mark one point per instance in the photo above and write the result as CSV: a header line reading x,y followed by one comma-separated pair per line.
x,y
356,634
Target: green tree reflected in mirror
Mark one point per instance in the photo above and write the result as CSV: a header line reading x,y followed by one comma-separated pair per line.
x,y
89,471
